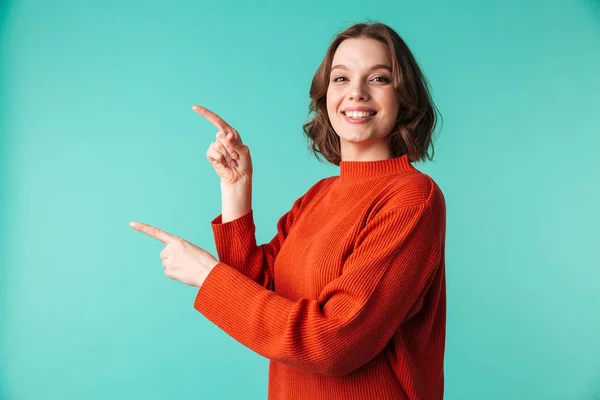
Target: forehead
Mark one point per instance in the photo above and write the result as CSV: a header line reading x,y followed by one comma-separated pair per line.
x,y
358,53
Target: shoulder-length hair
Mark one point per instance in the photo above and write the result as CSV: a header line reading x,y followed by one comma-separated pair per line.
x,y
417,117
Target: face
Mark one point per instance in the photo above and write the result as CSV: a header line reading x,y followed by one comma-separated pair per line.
x,y
359,80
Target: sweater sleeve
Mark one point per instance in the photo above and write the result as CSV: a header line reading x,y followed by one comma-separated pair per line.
x,y
236,246
394,259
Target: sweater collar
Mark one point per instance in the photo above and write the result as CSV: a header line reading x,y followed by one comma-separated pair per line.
x,y
352,170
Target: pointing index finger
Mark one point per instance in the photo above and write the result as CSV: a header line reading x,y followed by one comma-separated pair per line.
x,y
211,116
152,231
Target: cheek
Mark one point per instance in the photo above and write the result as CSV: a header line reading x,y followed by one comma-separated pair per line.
x,y
331,103
390,103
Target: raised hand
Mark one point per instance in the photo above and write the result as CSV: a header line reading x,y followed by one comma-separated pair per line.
x,y
228,155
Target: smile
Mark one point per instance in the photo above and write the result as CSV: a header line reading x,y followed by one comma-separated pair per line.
x,y
356,117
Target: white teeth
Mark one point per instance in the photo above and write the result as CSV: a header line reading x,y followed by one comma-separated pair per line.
x,y
358,114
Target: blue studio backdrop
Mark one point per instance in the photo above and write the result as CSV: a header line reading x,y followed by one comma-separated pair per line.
x,y
97,130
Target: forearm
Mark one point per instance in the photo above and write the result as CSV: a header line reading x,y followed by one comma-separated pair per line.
x,y
245,256
236,199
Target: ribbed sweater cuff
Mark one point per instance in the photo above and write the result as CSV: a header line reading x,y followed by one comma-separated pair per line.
x,y
229,234
243,225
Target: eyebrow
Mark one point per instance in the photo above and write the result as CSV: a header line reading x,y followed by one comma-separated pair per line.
x,y
376,66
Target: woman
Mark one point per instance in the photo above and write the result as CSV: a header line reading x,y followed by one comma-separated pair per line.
x,y
348,300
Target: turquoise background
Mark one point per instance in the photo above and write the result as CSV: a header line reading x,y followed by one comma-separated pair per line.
x,y
97,130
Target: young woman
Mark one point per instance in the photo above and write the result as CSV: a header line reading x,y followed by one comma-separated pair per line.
x,y
348,300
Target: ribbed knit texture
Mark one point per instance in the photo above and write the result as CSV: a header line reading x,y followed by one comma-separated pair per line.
x,y
348,300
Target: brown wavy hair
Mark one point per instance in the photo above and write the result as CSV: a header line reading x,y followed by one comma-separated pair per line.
x,y
417,117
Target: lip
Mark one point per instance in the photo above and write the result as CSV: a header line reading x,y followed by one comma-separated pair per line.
x,y
358,121
357,108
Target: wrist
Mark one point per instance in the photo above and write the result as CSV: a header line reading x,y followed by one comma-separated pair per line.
x,y
242,183
205,271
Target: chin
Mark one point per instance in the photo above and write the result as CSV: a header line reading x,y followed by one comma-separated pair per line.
x,y
354,138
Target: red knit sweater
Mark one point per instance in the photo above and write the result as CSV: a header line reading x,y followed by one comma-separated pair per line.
x,y
348,300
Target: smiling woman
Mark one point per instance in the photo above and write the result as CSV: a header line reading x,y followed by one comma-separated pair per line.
x,y
348,300
369,68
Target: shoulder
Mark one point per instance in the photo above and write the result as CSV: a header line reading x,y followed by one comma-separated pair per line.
x,y
422,193
321,185
413,189
314,191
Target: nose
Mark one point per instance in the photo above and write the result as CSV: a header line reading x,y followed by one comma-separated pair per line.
x,y
357,92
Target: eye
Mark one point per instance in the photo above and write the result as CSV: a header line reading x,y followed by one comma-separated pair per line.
x,y
382,77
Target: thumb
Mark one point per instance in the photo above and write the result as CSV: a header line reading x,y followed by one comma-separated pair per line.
x,y
232,138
